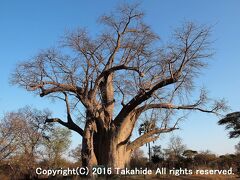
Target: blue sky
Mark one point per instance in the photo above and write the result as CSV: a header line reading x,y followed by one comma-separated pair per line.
x,y
28,26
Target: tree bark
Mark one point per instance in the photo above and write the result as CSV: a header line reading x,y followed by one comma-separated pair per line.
x,y
105,148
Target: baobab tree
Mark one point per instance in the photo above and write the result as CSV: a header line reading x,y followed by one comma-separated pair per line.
x,y
115,77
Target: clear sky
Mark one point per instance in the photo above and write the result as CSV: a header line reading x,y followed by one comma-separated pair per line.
x,y
28,26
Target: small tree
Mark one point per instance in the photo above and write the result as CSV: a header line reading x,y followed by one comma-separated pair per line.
x,y
138,159
232,123
227,161
176,146
56,146
9,133
189,158
158,155
205,158
189,153
146,127
22,134
237,147
174,151
76,153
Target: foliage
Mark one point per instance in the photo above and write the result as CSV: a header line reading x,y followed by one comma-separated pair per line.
x,y
232,122
138,159
237,147
22,133
56,146
25,137
76,153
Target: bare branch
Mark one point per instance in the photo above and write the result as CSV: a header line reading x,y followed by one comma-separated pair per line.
x,y
148,137
139,98
66,124
179,107
69,124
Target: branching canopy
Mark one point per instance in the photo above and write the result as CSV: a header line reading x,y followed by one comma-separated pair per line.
x,y
122,72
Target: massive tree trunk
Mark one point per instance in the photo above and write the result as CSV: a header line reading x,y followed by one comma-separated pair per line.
x,y
88,155
104,141
104,148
